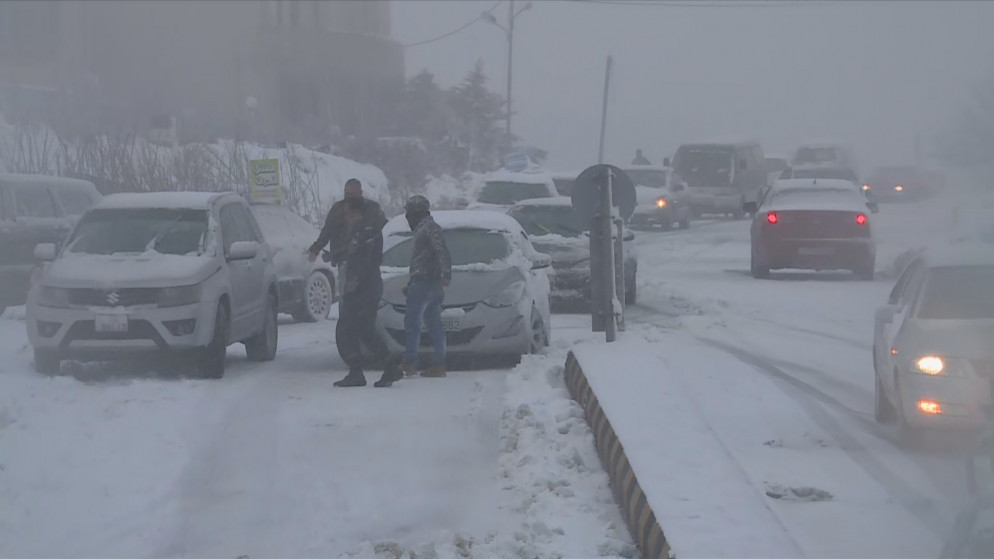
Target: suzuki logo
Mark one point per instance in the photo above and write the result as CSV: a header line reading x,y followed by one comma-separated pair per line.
x,y
113,298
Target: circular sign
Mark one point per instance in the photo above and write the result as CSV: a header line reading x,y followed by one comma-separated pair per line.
x,y
588,189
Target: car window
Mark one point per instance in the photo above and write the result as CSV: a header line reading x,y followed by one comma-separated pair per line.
x,y
957,293
896,292
74,202
234,226
466,247
33,201
911,289
6,212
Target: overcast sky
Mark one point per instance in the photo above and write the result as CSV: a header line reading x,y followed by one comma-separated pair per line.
x,y
871,74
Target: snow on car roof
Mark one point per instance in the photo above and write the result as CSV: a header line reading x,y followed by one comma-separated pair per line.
x,y
554,201
729,140
22,178
165,200
459,219
837,184
522,178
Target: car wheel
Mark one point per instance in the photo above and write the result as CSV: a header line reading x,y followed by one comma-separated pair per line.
x,y
908,436
317,300
685,222
47,362
262,346
539,337
210,360
757,270
883,412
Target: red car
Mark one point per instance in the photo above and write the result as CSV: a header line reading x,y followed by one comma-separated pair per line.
x,y
812,225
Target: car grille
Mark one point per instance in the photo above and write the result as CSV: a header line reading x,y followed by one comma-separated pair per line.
x,y
128,297
457,338
137,330
402,309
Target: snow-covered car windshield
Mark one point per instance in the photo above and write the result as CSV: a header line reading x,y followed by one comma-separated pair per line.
x,y
117,231
809,155
466,246
508,193
958,293
647,177
548,220
704,166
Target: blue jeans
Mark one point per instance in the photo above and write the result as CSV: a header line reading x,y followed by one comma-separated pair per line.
x,y
424,299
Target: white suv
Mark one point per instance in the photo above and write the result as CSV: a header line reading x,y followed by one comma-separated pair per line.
x,y
146,274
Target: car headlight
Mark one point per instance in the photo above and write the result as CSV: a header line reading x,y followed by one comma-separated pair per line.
x,y
56,297
930,365
661,203
507,297
180,296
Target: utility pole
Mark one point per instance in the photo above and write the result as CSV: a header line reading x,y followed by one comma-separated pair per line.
x,y
510,62
607,83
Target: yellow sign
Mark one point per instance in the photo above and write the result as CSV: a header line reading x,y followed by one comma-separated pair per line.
x,y
265,187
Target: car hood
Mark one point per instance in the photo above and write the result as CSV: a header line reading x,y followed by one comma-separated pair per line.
x,y
648,195
469,285
564,251
145,270
968,339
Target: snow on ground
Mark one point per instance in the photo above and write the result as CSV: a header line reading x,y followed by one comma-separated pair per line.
x,y
274,461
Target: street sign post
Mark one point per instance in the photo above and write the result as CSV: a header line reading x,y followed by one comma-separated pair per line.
x,y
604,196
264,177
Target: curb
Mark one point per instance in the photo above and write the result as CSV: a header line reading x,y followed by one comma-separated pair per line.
x,y
635,508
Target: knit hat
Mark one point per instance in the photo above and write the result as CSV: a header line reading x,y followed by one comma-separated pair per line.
x,y
417,204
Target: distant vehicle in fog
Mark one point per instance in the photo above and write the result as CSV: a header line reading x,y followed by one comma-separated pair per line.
x,y
153,274
35,209
662,197
821,172
932,350
563,180
908,182
722,176
307,289
812,227
823,154
504,189
775,165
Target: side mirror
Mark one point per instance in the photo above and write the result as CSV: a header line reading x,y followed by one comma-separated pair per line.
x,y
541,261
873,207
886,313
666,162
628,236
750,207
45,252
243,250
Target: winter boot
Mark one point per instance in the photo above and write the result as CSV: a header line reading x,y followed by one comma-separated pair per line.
x,y
354,378
435,371
410,369
392,372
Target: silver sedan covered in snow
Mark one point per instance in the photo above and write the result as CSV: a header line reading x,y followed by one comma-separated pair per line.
x,y
498,300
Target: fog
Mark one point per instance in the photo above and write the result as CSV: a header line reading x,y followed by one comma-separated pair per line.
x,y
870,74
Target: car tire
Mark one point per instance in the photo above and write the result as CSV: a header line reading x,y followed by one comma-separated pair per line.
x,y
47,362
319,295
685,222
883,412
539,336
908,436
757,270
262,346
210,359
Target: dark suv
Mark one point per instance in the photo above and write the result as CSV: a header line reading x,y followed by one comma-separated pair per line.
x,y
34,209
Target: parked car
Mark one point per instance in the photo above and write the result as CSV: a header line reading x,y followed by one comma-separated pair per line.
x,y
504,189
932,352
498,301
157,274
722,176
563,182
662,197
35,209
891,184
821,172
307,289
828,154
553,229
813,227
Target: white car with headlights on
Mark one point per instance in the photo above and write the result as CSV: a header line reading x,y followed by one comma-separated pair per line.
x,y
498,300
932,350
150,274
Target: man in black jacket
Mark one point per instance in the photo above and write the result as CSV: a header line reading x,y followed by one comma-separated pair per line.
x,y
356,233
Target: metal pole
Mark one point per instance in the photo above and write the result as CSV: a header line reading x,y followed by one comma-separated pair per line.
x,y
607,264
619,270
510,59
598,315
607,82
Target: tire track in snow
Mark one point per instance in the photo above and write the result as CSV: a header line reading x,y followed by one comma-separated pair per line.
x,y
812,400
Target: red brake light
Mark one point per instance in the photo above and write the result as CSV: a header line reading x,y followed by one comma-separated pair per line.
x,y
771,217
861,219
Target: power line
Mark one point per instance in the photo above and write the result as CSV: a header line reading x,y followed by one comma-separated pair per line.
x,y
454,31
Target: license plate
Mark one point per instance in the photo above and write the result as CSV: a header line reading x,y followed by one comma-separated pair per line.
x,y
448,324
816,251
111,323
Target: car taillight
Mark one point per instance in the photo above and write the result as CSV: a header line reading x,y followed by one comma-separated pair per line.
x,y
861,219
771,218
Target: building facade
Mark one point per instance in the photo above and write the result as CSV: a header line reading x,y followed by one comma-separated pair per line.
x,y
270,70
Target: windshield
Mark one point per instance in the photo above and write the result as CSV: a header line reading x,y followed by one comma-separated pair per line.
x,y
466,246
647,177
509,193
118,231
564,186
704,166
776,164
809,155
549,220
958,292
816,195
841,174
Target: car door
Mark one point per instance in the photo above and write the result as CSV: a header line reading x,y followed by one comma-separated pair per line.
x,y
245,275
538,279
903,296
38,220
679,195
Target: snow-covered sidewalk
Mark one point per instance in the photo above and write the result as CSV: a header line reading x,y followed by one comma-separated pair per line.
x,y
735,464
